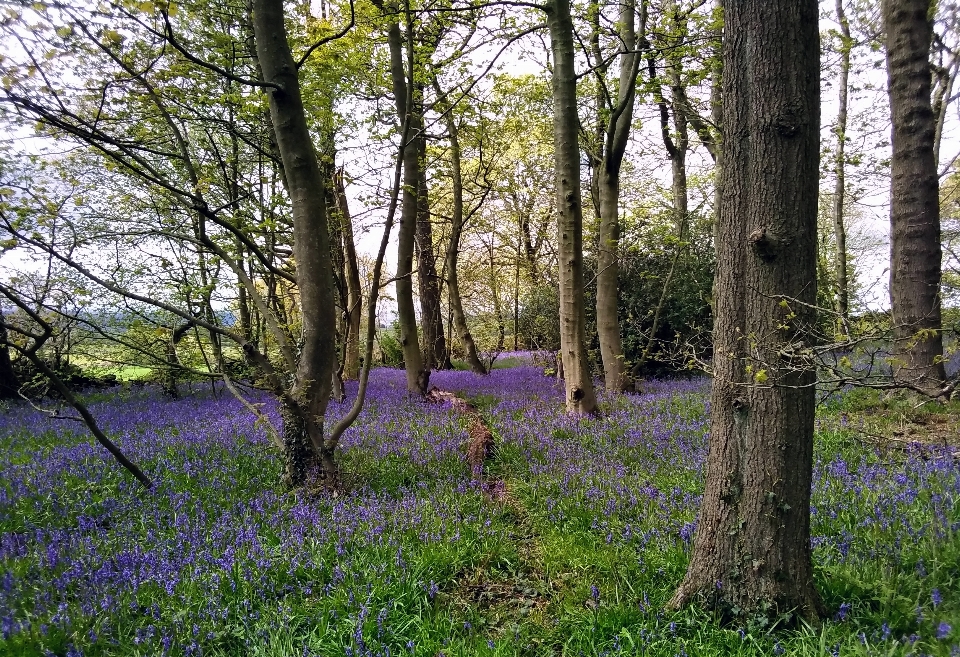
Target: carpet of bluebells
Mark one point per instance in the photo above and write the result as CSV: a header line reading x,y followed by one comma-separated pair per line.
x,y
571,547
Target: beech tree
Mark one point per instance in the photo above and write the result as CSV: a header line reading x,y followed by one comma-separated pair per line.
x,y
614,118
580,394
408,95
915,254
751,550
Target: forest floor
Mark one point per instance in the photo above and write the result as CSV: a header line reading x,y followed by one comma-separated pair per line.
x,y
571,546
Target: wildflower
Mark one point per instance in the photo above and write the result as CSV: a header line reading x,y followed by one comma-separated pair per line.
x,y
778,649
843,612
935,597
943,630
595,593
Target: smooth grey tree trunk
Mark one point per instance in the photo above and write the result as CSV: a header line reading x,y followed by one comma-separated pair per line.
x,y
915,256
614,143
580,395
751,550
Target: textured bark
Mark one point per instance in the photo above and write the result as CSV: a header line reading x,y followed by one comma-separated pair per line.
x,y
751,550
431,313
580,395
9,385
607,181
840,189
338,263
409,108
301,459
310,391
915,256
351,363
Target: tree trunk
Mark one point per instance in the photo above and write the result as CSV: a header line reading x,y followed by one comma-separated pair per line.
x,y
453,246
418,376
310,390
840,189
169,376
497,305
614,144
9,385
915,256
299,454
751,550
351,363
431,313
578,382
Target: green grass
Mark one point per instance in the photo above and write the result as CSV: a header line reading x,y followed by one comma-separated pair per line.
x,y
517,578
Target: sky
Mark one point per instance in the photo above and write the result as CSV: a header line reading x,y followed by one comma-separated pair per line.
x,y
869,130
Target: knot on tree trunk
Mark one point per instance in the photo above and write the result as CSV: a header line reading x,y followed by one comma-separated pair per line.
x,y
765,244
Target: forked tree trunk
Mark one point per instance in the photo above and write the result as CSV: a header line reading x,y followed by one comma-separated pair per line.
x,y
580,394
309,394
915,256
614,144
751,550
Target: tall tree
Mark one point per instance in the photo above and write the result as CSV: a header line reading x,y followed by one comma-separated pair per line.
x,y
306,402
915,257
751,551
351,361
409,101
580,395
457,222
616,107
840,164
435,354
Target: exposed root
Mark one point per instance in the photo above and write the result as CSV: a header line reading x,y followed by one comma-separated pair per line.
x,y
480,446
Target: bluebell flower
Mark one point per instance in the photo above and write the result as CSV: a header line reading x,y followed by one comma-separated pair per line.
x,y
843,611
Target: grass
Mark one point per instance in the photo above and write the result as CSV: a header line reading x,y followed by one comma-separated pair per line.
x,y
575,552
